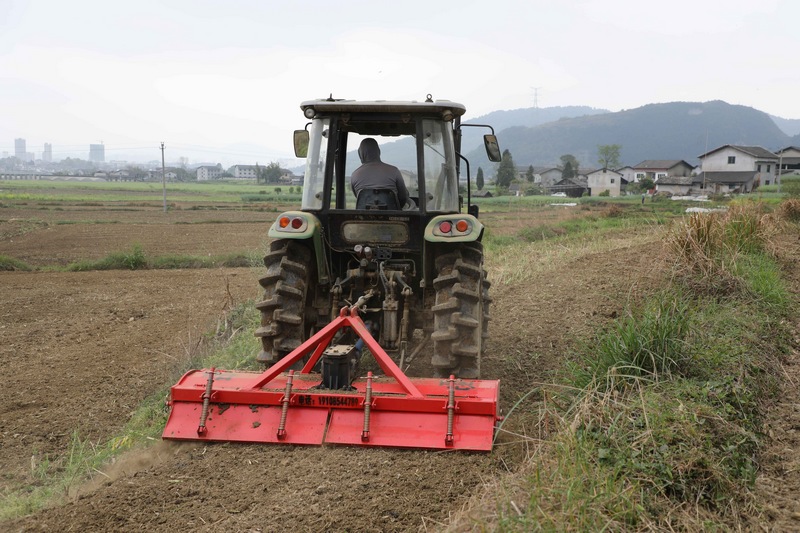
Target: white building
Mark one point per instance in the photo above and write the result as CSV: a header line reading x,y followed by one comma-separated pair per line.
x,y
604,179
245,172
206,173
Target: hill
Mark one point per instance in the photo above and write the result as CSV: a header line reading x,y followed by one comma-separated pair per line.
x,y
677,130
789,126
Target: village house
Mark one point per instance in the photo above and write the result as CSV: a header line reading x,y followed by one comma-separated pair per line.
x,y
543,176
660,168
573,187
678,185
737,169
604,179
789,158
628,174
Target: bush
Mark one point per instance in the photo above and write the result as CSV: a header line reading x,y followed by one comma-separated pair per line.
x,y
134,259
605,193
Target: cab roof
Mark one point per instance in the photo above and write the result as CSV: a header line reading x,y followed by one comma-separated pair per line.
x,y
329,105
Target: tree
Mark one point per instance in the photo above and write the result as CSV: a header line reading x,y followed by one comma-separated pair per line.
x,y
645,184
181,174
608,155
567,172
479,179
571,159
506,171
569,166
529,175
273,173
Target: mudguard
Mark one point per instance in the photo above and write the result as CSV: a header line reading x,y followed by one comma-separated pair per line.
x,y
310,227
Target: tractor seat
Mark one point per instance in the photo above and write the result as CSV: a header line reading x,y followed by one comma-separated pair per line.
x,y
380,199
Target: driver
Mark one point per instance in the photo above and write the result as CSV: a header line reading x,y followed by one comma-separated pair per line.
x,y
375,174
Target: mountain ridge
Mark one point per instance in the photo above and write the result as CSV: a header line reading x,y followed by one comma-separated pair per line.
x,y
673,130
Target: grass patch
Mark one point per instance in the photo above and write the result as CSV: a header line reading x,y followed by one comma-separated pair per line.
x,y
8,263
133,259
136,259
657,424
648,344
146,193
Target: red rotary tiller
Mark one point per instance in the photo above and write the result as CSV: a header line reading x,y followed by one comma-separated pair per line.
x,y
300,408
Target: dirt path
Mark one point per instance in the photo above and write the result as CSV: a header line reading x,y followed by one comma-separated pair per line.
x,y
778,483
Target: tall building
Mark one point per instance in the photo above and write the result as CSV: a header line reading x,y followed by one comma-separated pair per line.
x,y
20,150
97,153
47,155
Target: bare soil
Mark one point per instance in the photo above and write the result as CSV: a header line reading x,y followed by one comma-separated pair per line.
x,y
81,350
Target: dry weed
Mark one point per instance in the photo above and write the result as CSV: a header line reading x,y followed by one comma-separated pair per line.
x,y
790,210
706,246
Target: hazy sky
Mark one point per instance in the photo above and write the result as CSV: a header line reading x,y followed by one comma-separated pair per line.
x,y
226,78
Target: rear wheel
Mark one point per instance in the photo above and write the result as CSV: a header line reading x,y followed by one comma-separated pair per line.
x,y
461,312
286,290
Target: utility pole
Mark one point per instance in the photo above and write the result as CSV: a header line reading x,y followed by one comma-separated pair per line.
x,y
164,177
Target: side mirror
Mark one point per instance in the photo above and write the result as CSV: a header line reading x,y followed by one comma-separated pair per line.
x,y
301,143
492,148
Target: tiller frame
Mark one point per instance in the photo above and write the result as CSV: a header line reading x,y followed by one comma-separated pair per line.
x,y
277,406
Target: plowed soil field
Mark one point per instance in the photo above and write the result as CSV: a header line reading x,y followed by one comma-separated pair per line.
x,y
79,352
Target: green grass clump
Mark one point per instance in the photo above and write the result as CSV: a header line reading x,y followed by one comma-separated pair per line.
x,y
8,263
136,259
133,259
647,344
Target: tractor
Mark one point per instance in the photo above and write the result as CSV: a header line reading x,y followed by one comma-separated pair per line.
x,y
349,273
416,267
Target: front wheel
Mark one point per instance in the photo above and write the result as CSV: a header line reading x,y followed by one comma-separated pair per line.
x,y
461,312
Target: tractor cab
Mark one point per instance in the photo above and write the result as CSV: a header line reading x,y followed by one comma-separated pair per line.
x,y
420,139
